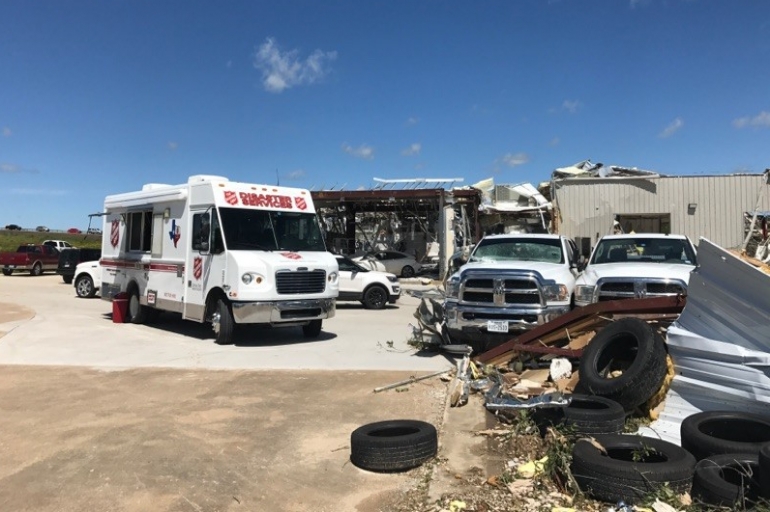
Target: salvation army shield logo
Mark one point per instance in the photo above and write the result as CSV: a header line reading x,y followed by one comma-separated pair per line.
x,y
115,233
301,203
231,197
197,268
291,255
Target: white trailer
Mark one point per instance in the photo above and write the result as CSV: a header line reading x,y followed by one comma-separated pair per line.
x,y
221,252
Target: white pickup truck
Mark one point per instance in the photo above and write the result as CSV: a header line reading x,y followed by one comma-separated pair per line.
x,y
636,266
511,283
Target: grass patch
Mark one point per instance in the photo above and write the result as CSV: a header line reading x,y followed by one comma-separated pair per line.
x,y
10,240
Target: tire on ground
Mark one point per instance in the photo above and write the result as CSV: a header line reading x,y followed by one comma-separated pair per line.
x,y
714,432
585,415
632,346
393,445
727,480
628,467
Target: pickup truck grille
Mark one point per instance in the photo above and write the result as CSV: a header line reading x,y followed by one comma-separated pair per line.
x,y
501,291
637,289
298,282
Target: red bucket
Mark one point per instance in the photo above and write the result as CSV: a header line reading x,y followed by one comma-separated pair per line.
x,y
120,308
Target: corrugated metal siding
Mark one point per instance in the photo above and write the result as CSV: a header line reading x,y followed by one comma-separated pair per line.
x,y
588,206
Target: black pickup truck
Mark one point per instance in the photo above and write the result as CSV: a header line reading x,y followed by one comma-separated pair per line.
x,y
69,259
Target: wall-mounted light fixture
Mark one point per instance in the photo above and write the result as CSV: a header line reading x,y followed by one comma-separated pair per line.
x,y
167,213
691,208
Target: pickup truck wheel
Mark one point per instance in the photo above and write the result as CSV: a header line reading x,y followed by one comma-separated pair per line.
x,y
312,329
375,297
37,269
223,323
137,313
67,279
7,271
84,287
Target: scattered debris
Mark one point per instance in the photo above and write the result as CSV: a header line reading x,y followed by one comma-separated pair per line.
x,y
410,380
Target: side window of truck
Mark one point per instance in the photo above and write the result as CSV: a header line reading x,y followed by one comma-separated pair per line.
x,y
140,231
201,229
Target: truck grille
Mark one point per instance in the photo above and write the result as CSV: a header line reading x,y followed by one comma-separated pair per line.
x,y
501,291
638,289
298,282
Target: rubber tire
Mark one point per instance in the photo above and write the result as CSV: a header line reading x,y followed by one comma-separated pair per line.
x,y
67,279
407,271
643,372
87,284
37,269
393,445
727,480
764,470
7,271
226,323
585,415
616,476
375,297
715,432
137,313
313,329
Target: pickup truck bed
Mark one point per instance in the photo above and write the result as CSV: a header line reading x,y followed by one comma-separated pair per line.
x,y
34,259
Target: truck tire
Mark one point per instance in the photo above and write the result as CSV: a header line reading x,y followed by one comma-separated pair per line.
x,y
37,269
727,480
629,467
224,325
585,415
375,297
312,329
715,432
7,271
407,271
84,287
632,346
393,445
136,312
67,279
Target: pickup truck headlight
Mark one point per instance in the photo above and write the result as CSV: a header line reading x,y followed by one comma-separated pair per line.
x,y
584,293
333,277
556,292
453,287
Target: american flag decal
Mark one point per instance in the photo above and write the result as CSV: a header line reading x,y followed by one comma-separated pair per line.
x,y
115,233
301,203
231,197
197,268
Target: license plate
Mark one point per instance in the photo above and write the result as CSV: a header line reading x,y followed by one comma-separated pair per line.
x,y
66,265
497,326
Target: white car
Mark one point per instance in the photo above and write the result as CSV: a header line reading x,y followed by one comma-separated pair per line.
x,y
636,265
59,245
373,288
394,262
88,279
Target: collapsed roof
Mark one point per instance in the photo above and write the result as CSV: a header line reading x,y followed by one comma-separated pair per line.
x,y
588,169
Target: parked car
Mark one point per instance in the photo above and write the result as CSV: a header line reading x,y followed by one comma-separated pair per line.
x,y
59,245
13,227
31,258
394,262
88,279
69,259
42,229
374,289
74,231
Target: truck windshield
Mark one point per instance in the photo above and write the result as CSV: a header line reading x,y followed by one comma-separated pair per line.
x,y
644,250
545,250
246,230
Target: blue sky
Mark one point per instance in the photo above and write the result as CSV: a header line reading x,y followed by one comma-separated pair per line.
x,y
99,97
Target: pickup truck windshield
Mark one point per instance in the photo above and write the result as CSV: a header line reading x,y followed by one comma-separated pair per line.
x,y
545,250
247,230
644,250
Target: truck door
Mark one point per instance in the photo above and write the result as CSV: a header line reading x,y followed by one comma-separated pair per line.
x,y
205,265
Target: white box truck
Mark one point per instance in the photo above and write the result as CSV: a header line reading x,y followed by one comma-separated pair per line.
x,y
218,251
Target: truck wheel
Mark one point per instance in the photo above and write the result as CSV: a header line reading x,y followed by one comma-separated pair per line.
x,y
7,271
67,279
727,480
137,313
84,287
393,445
375,297
312,330
37,269
223,323
709,433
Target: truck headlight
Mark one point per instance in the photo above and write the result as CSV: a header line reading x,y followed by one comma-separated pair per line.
x,y
249,278
333,277
453,287
556,292
584,293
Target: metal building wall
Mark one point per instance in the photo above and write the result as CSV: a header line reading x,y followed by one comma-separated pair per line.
x,y
588,206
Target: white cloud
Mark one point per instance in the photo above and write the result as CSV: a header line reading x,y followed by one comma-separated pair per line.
x,y
571,106
673,127
38,192
634,3
515,159
172,146
412,150
554,142
15,169
759,120
296,175
7,131
362,151
283,69
412,121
